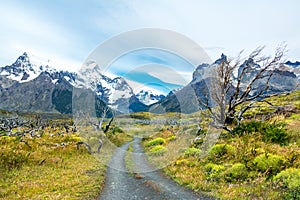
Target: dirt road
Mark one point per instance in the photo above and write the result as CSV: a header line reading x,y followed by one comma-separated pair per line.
x,y
148,184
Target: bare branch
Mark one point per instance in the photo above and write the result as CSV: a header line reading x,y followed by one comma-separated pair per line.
x,y
228,92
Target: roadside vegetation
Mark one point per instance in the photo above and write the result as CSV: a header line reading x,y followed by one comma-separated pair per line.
x,y
259,159
42,159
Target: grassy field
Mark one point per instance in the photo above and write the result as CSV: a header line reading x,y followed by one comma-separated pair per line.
x,y
51,166
260,160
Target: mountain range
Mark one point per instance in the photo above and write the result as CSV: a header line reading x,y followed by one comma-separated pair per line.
x,y
30,84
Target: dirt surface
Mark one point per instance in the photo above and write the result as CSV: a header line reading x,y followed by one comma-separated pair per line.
x,y
146,184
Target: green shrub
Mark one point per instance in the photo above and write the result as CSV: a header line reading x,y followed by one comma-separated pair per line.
x,y
156,141
269,162
220,150
117,129
140,115
8,140
295,116
274,132
213,171
158,150
236,172
289,181
192,152
171,138
13,158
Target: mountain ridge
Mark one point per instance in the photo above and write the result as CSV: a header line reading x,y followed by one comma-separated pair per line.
x,y
113,92
25,78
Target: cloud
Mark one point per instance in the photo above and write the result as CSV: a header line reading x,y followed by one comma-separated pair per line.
x,y
58,62
124,51
20,22
71,30
27,27
137,87
165,73
141,57
149,81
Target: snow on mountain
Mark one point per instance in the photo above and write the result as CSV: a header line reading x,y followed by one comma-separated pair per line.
x,y
293,64
48,89
174,91
114,92
147,97
292,67
111,91
26,68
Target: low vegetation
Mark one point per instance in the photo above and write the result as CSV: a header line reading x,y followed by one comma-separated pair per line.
x,y
48,167
42,159
128,160
257,160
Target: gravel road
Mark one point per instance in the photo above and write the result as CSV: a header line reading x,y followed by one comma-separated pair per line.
x,y
148,184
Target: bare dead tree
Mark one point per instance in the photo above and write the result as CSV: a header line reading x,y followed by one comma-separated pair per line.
x,y
97,122
97,125
9,123
85,144
229,96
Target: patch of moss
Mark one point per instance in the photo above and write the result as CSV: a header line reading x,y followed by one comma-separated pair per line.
x,y
236,172
289,182
158,150
192,152
156,141
219,150
213,171
269,162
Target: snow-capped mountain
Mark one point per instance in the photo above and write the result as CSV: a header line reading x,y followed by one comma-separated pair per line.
x,y
23,70
115,92
293,67
174,91
27,75
27,67
293,64
30,84
147,97
186,100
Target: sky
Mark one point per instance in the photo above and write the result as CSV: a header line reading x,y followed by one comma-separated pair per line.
x,y
66,32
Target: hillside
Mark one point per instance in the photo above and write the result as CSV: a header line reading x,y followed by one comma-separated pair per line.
x,y
260,160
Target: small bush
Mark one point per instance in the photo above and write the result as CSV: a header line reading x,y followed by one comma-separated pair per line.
x,y
220,150
171,138
116,130
192,152
156,141
140,115
158,150
295,116
269,162
182,162
8,140
289,181
73,139
237,172
274,132
13,158
213,171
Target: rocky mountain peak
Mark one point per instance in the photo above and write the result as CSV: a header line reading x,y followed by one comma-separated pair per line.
x,y
223,58
26,68
147,97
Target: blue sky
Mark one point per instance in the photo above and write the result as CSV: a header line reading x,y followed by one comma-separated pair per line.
x,y
66,31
